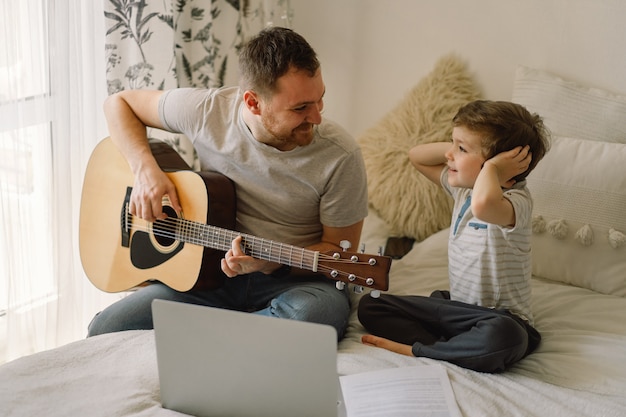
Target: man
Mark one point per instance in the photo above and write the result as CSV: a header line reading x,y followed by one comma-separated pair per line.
x,y
299,180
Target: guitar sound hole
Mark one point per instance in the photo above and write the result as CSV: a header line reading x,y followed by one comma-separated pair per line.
x,y
165,230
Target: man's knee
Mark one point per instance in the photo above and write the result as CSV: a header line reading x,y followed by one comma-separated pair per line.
x,y
316,304
310,301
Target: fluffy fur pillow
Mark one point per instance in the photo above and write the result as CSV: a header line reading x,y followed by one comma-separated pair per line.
x,y
406,200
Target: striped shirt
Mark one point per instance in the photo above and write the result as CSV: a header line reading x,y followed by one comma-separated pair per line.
x,y
490,265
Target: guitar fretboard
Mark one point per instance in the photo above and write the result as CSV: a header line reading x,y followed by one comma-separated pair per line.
x,y
221,239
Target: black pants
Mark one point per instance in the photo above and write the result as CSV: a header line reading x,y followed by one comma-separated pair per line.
x,y
470,336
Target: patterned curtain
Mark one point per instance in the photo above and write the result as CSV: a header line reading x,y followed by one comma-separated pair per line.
x,y
163,44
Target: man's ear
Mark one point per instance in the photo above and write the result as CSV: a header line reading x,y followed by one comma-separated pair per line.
x,y
252,102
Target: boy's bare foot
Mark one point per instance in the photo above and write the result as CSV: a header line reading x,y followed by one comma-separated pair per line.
x,y
381,342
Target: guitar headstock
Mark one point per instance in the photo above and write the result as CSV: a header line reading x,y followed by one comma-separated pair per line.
x,y
361,269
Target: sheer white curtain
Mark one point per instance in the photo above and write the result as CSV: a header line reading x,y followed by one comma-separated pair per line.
x,y
52,85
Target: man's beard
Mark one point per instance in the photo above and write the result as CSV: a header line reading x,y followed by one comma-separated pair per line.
x,y
300,136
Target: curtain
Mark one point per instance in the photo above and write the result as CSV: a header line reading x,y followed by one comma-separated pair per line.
x,y
51,91
161,44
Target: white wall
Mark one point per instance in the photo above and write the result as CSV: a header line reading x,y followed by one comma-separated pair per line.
x,y
373,51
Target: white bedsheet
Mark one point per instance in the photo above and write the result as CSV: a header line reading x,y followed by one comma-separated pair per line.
x,y
578,370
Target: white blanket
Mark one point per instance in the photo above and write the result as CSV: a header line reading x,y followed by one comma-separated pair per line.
x,y
578,370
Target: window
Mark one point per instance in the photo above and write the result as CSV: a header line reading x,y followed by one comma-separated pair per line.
x,y
52,85
25,161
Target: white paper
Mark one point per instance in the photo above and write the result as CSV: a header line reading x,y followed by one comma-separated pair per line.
x,y
414,391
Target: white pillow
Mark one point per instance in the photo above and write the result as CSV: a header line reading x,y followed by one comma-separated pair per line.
x,y
579,191
571,109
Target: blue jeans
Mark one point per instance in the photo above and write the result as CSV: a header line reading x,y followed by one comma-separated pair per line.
x,y
311,298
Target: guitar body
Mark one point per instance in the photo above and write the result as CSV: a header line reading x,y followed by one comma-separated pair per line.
x,y
117,258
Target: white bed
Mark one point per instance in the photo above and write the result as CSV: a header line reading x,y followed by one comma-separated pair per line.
x,y
579,368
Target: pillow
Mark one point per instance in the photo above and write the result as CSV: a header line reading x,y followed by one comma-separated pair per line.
x,y
405,199
579,191
571,109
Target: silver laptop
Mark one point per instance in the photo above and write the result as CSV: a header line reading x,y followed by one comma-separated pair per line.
x,y
215,362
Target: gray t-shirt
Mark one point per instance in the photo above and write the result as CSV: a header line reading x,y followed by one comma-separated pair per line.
x,y
282,196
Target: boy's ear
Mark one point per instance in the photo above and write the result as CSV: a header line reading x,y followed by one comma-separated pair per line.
x,y
252,102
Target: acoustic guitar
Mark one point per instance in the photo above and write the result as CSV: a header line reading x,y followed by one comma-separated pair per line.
x,y
120,251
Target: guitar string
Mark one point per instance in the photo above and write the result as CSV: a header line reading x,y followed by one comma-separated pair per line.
x,y
171,228
198,238
198,233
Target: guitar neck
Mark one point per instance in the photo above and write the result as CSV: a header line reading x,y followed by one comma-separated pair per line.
x,y
220,239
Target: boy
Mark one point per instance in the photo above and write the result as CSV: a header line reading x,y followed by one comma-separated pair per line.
x,y
485,322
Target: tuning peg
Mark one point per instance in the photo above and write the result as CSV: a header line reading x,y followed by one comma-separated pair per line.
x,y
358,289
374,293
362,248
380,250
345,245
340,285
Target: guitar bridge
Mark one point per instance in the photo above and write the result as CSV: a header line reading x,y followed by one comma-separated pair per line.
x,y
124,219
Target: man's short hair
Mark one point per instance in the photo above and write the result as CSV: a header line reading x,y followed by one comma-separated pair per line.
x,y
269,55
